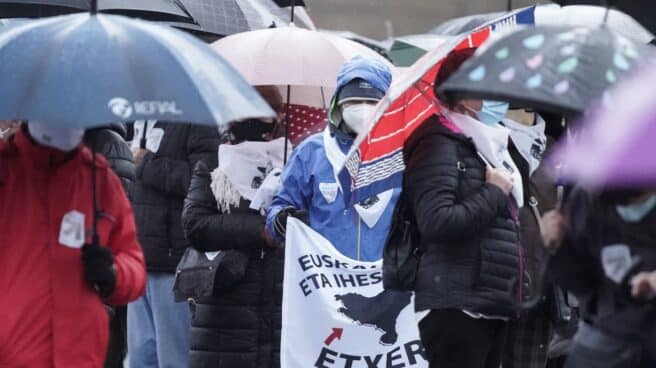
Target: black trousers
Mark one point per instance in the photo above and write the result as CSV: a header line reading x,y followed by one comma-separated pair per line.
x,y
118,338
453,339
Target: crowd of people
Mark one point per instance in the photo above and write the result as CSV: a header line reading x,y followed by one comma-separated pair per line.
x,y
516,268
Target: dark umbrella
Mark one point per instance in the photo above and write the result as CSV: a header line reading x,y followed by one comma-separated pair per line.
x,y
226,17
161,10
456,26
287,3
643,11
559,69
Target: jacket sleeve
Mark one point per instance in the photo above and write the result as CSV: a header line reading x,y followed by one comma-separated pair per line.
x,y
573,267
294,191
431,183
128,258
172,175
209,230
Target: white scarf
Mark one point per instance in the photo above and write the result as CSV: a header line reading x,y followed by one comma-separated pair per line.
x,y
492,143
370,210
531,142
243,172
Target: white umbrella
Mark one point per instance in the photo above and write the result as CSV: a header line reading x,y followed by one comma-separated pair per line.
x,y
594,16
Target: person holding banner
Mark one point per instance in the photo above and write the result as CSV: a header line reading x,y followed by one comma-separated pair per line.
x,y
310,181
238,324
464,197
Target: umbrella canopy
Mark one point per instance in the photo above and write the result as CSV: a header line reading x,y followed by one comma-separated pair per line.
x,y
380,47
615,146
292,56
86,70
554,15
642,10
559,69
408,49
301,15
164,10
592,16
457,26
226,17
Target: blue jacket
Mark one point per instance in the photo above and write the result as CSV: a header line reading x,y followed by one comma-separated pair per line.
x,y
308,183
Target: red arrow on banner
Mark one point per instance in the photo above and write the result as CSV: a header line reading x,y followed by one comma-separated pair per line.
x,y
336,334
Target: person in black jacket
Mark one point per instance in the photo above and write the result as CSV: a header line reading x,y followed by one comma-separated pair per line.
x,y
110,142
238,326
601,242
466,287
528,337
158,327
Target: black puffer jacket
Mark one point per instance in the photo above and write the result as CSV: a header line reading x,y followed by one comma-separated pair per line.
x,y
578,267
539,198
163,178
239,327
469,242
110,142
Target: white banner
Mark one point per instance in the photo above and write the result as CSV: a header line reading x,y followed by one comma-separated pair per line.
x,y
336,312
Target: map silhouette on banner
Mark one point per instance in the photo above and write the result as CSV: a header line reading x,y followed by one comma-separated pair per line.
x,y
380,312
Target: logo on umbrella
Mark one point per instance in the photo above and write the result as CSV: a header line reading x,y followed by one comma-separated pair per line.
x,y
120,107
125,109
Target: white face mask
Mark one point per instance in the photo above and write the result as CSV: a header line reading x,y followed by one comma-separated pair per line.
x,y
356,116
63,139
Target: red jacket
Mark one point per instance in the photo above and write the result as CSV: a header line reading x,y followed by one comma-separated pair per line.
x,y
49,315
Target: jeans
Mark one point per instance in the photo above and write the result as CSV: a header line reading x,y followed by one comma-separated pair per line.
x,y
158,327
453,339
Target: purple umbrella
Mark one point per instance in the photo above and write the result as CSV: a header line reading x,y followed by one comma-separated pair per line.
x,y
616,144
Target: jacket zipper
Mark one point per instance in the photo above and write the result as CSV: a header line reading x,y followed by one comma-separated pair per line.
x,y
514,210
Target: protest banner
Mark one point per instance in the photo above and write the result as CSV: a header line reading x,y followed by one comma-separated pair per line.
x,y
336,312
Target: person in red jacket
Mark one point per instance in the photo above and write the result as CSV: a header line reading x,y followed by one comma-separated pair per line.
x,y
53,281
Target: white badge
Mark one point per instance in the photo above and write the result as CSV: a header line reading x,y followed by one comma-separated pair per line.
x,y
154,139
329,191
212,255
616,260
71,232
372,209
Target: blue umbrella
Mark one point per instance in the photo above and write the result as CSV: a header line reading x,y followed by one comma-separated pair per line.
x,y
87,70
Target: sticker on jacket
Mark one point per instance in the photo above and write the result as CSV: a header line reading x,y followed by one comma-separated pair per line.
x,y
616,260
371,209
71,232
329,191
154,139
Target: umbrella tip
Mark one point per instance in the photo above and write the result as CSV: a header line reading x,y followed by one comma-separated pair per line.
x,y
93,9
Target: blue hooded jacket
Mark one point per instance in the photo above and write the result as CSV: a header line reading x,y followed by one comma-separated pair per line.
x,y
309,181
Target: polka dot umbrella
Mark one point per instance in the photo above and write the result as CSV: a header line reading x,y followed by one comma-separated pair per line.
x,y
558,69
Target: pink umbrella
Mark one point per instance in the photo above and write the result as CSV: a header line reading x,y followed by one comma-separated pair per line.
x,y
293,57
303,63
